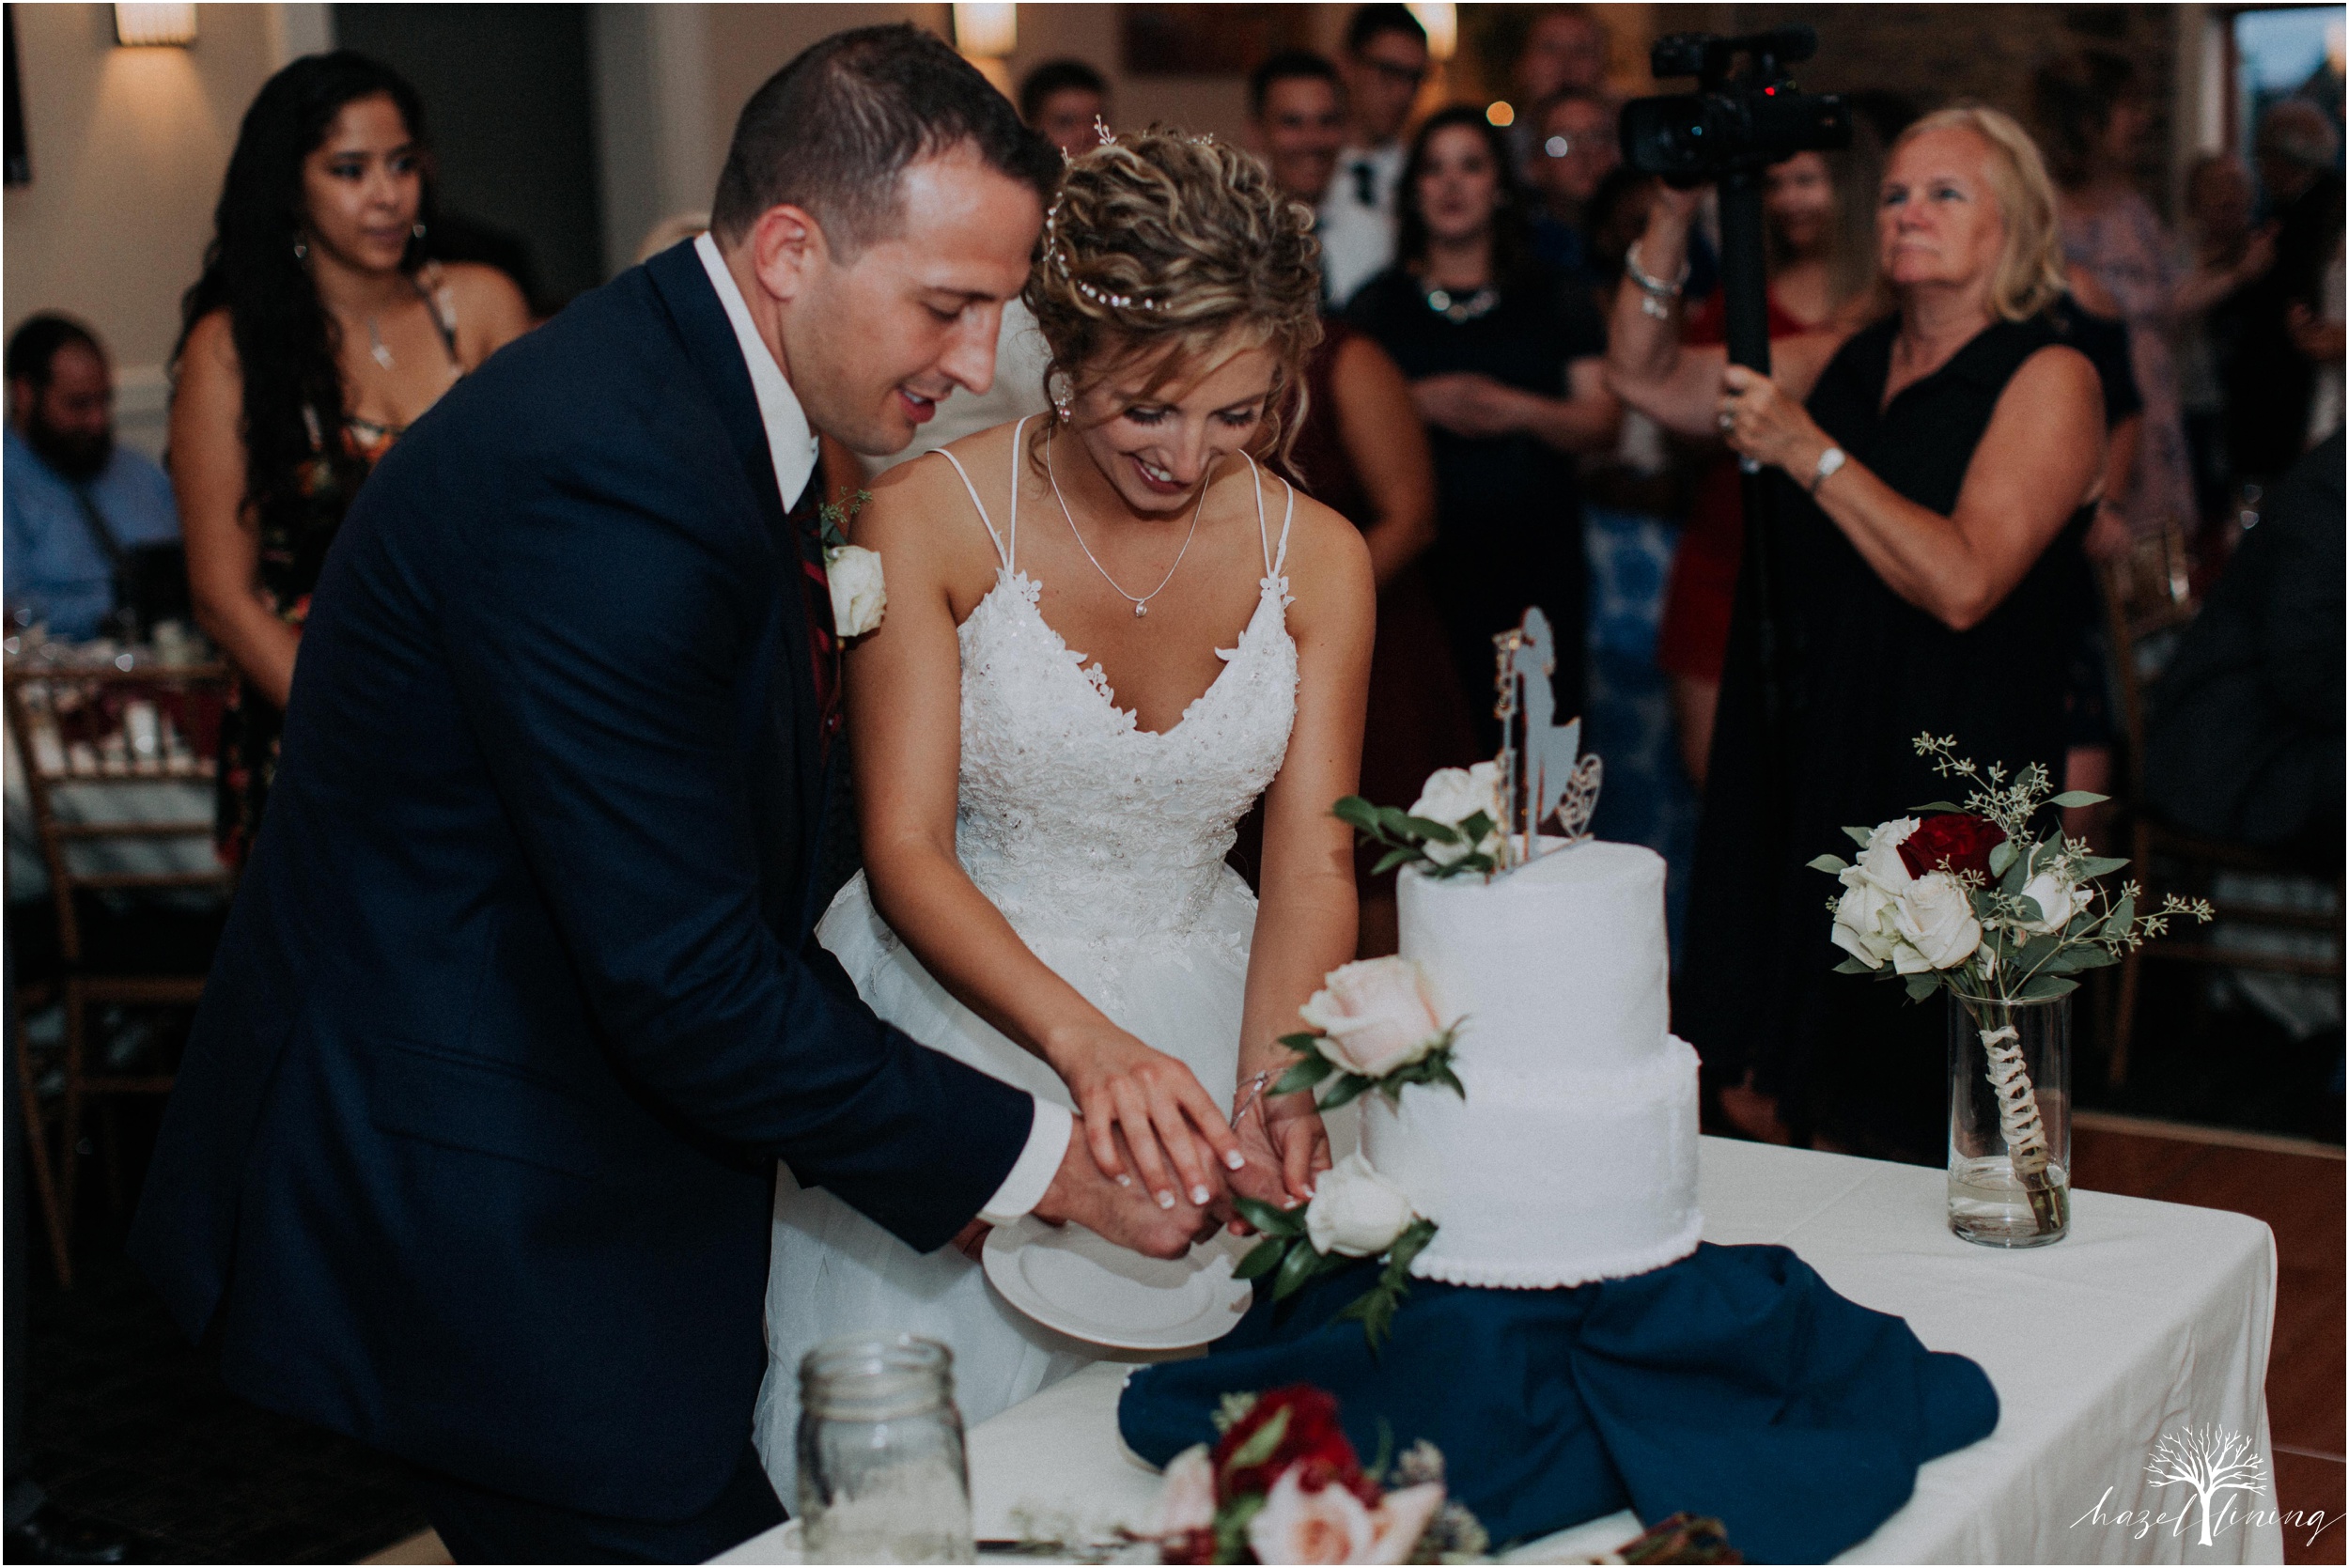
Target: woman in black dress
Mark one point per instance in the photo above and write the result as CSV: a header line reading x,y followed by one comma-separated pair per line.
x,y
1922,488
1504,358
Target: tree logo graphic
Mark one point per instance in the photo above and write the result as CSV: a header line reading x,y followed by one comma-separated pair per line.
x,y
2212,1461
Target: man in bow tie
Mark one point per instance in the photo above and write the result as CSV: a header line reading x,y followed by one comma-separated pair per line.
x,y
473,1151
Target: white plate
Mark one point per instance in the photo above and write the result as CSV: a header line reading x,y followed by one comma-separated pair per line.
x,y
1070,1280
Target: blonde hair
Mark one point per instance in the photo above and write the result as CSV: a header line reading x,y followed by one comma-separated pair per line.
x,y
2030,274
1173,245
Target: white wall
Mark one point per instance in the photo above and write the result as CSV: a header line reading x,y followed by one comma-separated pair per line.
x,y
128,150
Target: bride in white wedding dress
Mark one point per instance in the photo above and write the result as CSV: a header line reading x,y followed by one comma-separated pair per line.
x,y
1045,831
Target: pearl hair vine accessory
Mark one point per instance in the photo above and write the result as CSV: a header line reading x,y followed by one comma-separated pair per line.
x,y
1057,251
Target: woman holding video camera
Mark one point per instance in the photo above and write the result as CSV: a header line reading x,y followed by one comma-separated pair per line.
x,y
1922,472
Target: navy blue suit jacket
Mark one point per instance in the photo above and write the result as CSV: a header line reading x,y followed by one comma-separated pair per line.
x,y
471,1155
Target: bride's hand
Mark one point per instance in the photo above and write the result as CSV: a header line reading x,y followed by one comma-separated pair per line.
x,y
1287,1149
1122,1085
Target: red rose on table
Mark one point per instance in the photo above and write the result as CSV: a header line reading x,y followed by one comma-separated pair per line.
x,y
1954,842
1310,1435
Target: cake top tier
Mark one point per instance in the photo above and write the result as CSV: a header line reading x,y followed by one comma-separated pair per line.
x,y
1560,964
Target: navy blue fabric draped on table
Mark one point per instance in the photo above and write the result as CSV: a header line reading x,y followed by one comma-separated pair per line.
x,y
1733,1384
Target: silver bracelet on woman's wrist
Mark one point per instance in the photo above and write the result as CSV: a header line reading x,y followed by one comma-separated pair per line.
x,y
1653,291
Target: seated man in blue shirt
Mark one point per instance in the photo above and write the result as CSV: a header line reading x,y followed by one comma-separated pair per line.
x,y
78,506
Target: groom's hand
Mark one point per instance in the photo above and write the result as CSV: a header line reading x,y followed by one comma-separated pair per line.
x,y
1081,1195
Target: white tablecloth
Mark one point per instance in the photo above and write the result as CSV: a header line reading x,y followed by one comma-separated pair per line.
x,y
2147,1319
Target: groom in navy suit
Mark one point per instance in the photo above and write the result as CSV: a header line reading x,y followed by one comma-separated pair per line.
x,y
471,1155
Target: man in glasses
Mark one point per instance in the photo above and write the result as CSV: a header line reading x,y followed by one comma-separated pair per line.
x,y
1386,61
1575,148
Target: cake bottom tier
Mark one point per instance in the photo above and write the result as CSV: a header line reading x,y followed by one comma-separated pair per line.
x,y
1589,1176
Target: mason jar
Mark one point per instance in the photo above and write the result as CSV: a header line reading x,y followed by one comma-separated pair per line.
x,y
881,1471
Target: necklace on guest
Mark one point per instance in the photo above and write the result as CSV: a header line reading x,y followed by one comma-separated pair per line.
x,y
378,349
1141,605
1459,309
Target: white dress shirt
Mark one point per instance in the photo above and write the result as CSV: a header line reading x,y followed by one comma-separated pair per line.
x,y
791,444
1357,221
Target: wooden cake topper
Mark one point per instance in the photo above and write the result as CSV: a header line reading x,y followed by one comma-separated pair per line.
x,y
1543,770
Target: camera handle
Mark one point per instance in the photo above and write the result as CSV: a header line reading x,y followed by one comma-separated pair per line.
x,y
1745,291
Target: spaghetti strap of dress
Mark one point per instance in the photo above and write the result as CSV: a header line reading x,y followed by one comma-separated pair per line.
x,y
1274,557
994,537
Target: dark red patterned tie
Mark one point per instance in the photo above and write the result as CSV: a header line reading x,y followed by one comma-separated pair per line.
x,y
815,591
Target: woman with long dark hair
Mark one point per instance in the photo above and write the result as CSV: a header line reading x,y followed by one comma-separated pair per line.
x,y
1504,358
316,333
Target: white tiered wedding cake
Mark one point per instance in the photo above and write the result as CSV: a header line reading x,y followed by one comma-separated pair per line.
x,y
1573,1156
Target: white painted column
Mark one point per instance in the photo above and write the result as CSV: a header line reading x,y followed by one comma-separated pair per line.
x,y
653,138
298,30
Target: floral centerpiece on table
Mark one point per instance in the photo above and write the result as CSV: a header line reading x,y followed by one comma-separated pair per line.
x,y
1969,900
1282,1483
1374,1028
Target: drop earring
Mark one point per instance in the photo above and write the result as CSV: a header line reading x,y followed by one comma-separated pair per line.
x,y
301,250
1057,390
418,230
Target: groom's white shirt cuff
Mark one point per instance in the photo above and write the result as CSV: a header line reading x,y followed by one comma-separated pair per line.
x,y
791,446
1037,1164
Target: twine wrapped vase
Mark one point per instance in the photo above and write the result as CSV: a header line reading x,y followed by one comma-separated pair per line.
x,y
2010,1120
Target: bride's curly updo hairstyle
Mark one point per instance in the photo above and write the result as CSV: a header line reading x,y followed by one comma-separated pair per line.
x,y
1169,246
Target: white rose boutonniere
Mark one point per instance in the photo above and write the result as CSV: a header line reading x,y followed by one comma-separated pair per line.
x,y
857,596
851,572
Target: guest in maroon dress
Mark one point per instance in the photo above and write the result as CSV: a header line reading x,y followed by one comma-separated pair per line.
x,y
1363,451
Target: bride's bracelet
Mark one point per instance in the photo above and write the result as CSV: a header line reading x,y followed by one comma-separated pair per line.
x,y
1250,1094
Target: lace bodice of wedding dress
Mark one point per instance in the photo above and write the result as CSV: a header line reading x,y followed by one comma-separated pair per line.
x,y
1074,820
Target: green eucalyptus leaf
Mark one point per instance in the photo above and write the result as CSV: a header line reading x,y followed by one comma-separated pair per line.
x,y
2001,856
2101,865
1921,986
1859,836
2045,987
1832,864
1853,965
2072,798
1934,805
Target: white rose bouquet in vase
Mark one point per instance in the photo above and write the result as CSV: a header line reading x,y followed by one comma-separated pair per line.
x,y
1968,901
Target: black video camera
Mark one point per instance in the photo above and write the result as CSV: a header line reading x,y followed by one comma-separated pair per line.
x,y
1739,118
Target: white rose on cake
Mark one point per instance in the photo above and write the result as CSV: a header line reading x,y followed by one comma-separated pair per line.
x,y
858,597
1453,794
1373,1016
1934,917
1356,1212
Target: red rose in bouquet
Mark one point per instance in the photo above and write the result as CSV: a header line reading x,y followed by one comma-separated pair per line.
x,y
1309,1437
1954,842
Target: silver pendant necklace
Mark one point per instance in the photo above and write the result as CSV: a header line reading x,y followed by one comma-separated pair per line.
x,y
1141,605
378,349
